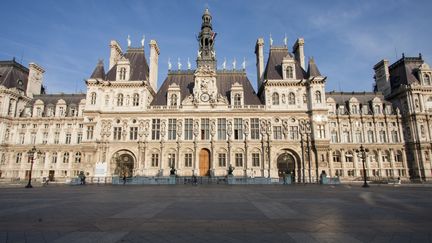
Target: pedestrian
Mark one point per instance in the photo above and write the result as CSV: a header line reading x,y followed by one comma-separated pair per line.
x,y
124,178
399,180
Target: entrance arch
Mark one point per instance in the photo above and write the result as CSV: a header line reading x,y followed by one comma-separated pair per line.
x,y
124,162
204,162
288,161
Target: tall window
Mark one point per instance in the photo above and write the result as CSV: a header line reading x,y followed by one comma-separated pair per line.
x,y
277,132
66,158
133,133
395,137
238,128
56,137
33,138
334,137
205,129
172,124
78,157
117,133
22,138
370,135
173,100
18,158
237,99
382,136
68,138
122,73
54,158
336,156
135,99
358,137
275,99
93,98
318,97
377,109
120,100
188,160
222,159
289,72
349,156
155,129
346,137
89,132
171,159
255,159
321,131
291,99
154,160
239,160
426,79
354,109
255,128
293,132
222,129
79,138
398,156
188,129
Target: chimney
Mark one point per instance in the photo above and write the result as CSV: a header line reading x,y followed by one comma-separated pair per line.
x,y
298,50
116,53
382,77
259,52
154,57
35,79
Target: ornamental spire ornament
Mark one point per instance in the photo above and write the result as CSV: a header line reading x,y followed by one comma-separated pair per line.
x,y
271,40
179,65
143,40
128,41
286,40
189,64
206,39
169,64
244,63
234,64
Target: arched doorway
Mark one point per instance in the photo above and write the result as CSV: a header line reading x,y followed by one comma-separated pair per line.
x,y
286,163
204,162
124,163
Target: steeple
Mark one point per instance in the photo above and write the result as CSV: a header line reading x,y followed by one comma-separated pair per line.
x,y
206,39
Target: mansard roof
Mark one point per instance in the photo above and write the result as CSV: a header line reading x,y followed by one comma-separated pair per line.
x,y
342,98
273,69
404,71
313,69
54,98
224,80
99,71
139,69
11,72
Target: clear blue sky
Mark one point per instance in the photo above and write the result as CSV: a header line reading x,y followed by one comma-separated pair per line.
x,y
345,37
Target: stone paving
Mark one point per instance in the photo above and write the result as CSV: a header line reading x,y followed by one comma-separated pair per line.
x,y
216,213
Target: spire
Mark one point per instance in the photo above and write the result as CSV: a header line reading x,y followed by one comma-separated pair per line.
x,y
99,71
313,69
206,39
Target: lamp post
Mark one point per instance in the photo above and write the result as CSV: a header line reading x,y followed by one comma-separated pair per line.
x,y
362,152
31,155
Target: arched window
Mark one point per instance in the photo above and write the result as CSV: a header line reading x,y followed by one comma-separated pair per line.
x,y
289,72
78,157
426,79
336,156
173,100
318,97
349,156
122,73
135,101
93,98
291,99
275,99
54,157
120,100
398,156
66,157
237,99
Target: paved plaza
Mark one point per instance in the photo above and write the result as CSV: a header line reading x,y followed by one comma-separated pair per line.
x,y
216,213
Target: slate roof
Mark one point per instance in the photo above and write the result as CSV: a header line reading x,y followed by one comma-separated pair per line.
x,y
363,97
54,98
11,72
139,69
273,69
99,71
404,71
313,69
224,81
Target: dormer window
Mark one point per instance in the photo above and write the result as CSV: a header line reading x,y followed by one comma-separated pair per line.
x,y
122,73
354,109
120,100
377,109
237,99
426,79
289,72
173,100
275,99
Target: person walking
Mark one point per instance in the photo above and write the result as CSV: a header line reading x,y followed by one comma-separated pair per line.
x,y
124,178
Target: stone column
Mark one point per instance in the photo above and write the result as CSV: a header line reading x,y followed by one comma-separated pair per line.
x,y
357,159
392,162
143,158
404,162
342,159
380,163
161,159
330,161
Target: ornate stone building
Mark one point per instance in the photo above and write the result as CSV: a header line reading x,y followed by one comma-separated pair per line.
x,y
203,120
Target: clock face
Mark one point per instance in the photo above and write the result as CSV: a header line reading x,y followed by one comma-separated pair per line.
x,y
205,97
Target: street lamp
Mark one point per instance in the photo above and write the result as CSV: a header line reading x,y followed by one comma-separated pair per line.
x,y
362,154
31,155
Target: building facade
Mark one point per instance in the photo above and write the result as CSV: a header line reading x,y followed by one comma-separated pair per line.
x,y
200,121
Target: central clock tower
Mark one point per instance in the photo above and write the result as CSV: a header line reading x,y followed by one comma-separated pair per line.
x,y
205,88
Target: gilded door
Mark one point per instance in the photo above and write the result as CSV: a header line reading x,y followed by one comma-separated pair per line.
x,y
204,162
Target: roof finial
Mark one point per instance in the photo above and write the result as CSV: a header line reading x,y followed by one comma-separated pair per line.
x,y
179,65
403,55
244,63
224,64
271,40
169,64
143,40
234,64
189,64
420,55
286,40
128,41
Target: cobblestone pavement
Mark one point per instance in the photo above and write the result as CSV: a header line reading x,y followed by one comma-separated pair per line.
x,y
216,213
